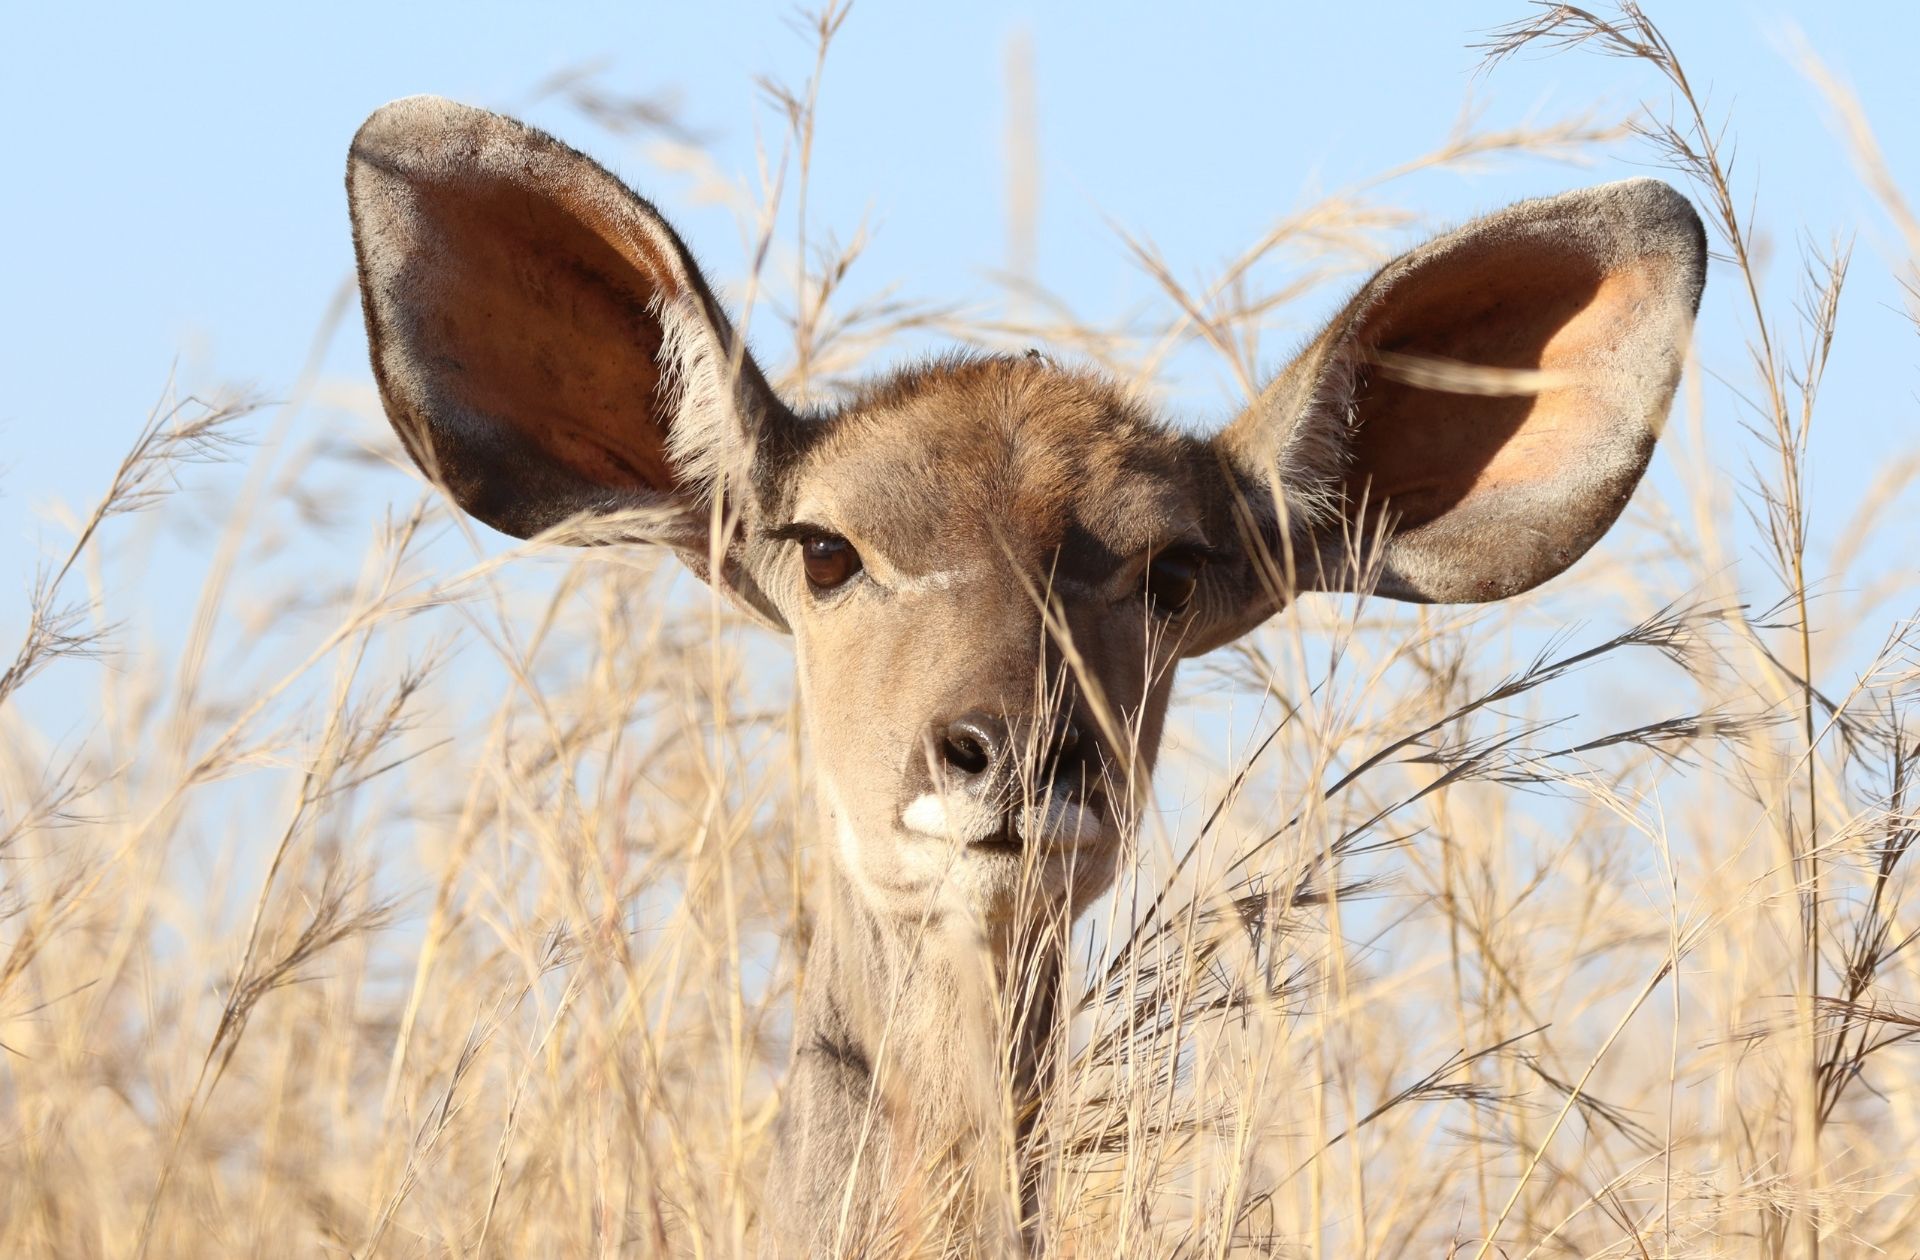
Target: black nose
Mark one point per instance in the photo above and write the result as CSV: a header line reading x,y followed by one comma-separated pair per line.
x,y
974,743
979,744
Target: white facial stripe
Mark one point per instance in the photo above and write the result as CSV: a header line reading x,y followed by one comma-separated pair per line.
x,y
944,579
877,566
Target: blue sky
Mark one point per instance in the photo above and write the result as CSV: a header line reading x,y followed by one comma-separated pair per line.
x,y
175,195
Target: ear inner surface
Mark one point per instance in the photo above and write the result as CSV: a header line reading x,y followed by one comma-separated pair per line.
x,y
548,322
531,320
1491,398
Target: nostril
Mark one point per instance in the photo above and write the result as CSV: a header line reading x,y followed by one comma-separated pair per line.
x,y
1065,764
965,754
967,747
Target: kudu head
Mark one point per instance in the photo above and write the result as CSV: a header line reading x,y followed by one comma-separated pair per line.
x,y
990,566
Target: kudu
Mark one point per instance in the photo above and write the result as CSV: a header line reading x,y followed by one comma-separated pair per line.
x,y
990,567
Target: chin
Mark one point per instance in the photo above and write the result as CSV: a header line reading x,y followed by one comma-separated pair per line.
x,y
951,868
996,885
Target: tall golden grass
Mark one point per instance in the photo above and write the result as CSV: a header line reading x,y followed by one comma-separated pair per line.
x,y
439,901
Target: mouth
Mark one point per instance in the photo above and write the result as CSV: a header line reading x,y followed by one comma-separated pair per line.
x,y
990,830
1004,841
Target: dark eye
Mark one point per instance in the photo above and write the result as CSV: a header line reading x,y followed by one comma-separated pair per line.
x,y
1172,578
829,560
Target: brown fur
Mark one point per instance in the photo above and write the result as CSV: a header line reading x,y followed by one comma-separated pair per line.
x,y
547,349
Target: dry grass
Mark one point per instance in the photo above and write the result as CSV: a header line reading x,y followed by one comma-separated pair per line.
x,y
453,904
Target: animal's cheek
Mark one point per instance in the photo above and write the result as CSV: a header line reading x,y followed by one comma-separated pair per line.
x,y
856,735
1117,649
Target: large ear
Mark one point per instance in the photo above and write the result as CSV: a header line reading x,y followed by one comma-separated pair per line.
x,y
1390,440
544,345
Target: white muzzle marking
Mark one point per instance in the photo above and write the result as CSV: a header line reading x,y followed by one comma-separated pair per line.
x,y
963,820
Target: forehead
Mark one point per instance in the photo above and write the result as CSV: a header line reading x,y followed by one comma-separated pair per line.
x,y
959,457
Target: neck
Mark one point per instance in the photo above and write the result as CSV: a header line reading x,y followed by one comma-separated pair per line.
x,y
919,1052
